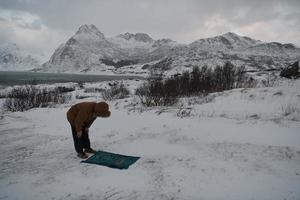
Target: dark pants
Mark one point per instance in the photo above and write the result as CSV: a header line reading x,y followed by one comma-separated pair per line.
x,y
81,143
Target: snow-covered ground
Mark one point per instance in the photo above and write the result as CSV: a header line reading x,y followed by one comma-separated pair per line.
x,y
239,144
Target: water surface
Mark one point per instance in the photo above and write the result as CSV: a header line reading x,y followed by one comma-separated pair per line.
x,y
10,78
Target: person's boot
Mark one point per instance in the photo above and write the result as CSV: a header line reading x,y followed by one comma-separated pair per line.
x,y
90,150
82,155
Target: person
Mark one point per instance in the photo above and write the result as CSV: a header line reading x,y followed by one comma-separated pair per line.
x,y
81,116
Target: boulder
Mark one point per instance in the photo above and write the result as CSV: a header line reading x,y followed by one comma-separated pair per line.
x,y
291,71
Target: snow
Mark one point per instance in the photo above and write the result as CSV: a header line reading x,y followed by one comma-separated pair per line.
x,y
238,144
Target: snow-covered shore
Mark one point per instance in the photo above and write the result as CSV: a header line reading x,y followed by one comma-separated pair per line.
x,y
239,144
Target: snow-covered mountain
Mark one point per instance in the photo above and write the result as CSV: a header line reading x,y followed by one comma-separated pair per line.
x,y
83,52
90,51
12,58
225,42
255,55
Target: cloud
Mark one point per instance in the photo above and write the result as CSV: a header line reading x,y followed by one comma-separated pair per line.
x,y
50,23
26,30
21,19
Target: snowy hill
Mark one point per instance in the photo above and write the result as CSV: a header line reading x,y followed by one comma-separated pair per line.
x,y
90,51
12,58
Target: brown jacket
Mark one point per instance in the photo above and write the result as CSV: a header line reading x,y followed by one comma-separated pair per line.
x,y
82,115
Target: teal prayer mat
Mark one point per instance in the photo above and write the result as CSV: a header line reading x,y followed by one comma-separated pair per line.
x,y
111,160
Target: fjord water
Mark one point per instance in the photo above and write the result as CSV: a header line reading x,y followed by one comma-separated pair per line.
x,y
10,78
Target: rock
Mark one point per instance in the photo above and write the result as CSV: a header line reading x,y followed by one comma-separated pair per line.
x,y
291,71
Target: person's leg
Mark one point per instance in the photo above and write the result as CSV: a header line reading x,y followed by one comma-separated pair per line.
x,y
85,139
78,143
86,142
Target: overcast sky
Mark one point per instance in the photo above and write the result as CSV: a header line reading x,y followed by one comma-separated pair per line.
x,y
42,25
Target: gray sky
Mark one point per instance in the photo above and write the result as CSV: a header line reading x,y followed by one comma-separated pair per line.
x,y
41,25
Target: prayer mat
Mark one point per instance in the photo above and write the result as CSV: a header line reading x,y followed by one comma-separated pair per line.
x,y
111,160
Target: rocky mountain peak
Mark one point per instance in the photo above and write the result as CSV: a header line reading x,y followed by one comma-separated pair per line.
x,y
239,40
234,36
141,37
231,35
89,29
126,36
230,40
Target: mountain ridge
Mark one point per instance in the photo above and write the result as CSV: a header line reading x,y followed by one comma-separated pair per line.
x,y
90,51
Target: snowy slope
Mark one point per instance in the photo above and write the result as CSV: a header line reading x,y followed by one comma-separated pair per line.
x,y
12,58
239,144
